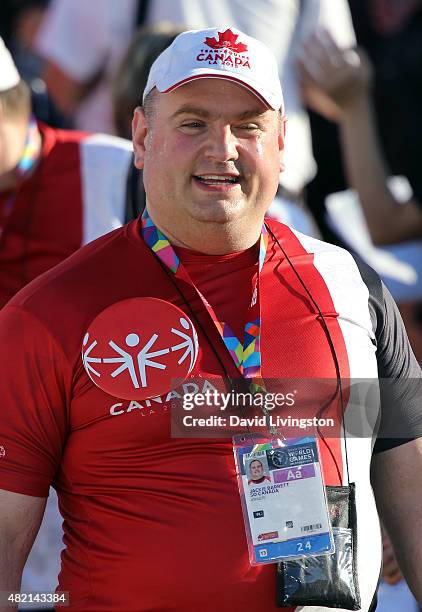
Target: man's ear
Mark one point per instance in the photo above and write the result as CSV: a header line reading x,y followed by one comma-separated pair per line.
x,y
281,141
139,134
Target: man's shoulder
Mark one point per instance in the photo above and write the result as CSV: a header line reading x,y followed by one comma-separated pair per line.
x,y
106,143
67,298
310,244
342,270
56,138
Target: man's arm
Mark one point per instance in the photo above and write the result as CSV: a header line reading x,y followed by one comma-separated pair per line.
x,y
337,85
33,428
395,476
388,220
20,519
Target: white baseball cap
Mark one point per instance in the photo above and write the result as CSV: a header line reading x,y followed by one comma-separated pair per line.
x,y
222,53
9,76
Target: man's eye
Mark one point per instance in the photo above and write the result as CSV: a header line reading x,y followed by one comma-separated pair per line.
x,y
192,124
248,127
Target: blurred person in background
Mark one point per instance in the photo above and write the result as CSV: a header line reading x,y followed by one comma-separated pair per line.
x,y
83,43
338,84
344,77
390,31
58,189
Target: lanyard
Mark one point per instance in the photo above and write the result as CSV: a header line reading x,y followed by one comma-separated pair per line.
x,y
31,150
26,163
246,356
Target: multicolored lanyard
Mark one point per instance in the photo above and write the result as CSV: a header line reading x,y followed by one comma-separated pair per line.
x,y
31,149
31,153
246,356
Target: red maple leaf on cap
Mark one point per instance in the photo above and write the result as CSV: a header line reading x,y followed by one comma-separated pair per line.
x,y
227,40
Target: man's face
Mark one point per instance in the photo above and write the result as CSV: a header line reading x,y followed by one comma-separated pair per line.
x,y
256,469
211,153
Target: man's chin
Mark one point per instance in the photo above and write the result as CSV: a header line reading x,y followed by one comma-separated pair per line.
x,y
220,211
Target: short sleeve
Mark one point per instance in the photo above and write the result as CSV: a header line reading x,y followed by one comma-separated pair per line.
x,y
33,415
73,35
394,353
400,376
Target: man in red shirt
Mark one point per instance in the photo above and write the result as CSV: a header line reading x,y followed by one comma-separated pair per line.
x,y
58,189
198,291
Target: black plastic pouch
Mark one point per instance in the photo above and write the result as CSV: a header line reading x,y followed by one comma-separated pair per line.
x,y
326,580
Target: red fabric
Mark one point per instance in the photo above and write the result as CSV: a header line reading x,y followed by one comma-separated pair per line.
x,y
45,224
226,281
151,522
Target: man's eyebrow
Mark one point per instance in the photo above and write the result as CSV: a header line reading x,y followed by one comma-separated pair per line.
x,y
252,114
188,109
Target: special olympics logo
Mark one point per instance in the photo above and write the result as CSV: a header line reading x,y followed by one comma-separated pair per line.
x,y
139,348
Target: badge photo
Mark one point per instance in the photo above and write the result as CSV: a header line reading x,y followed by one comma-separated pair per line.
x,y
139,348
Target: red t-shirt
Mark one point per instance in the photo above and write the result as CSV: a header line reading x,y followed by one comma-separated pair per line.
x,y
151,522
75,193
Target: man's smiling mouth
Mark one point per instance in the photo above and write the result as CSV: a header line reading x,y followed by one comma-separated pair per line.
x,y
217,179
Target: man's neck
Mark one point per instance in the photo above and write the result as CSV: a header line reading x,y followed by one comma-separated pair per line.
x,y
212,238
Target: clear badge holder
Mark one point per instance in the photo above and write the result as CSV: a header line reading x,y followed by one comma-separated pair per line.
x,y
283,497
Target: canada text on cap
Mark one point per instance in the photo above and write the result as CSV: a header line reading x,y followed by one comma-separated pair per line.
x,y
9,76
222,53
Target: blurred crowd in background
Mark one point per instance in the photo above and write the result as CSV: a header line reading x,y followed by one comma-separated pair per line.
x,y
352,78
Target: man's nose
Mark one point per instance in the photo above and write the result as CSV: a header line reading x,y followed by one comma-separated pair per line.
x,y
222,145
